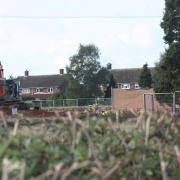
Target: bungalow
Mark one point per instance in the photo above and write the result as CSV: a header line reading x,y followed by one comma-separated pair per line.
x,y
128,78
42,86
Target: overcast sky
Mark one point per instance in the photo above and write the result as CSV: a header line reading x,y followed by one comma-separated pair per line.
x,y
43,46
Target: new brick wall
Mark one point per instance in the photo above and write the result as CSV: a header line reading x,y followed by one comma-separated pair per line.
x,y
129,99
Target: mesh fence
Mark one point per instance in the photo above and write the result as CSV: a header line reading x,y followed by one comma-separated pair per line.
x,y
86,101
59,103
158,102
72,102
177,101
105,101
47,103
90,101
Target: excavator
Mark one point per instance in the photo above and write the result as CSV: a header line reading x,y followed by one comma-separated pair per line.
x,y
9,92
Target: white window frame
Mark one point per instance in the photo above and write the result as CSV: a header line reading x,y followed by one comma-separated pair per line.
x,y
50,90
119,85
136,86
38,91
125,86
25,91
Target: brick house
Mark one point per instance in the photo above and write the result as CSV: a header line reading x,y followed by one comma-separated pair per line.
x,y
128,78
42,86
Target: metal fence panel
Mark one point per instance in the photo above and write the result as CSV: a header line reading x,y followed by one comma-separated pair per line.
x,y
58,103
47,103
177,101
69,102
74,102
86,101
158,102
104,101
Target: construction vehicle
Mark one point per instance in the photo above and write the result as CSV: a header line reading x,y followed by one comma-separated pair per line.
x,y
9,92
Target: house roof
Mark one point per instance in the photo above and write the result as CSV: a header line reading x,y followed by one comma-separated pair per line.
x,y
130,75
42,81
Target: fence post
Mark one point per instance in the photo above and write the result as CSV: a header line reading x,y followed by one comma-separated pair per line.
x,y
152,98
53,103
40,104
144,100
174,102
77,102
111,96
95,100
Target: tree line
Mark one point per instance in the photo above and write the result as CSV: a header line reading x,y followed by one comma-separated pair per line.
x,y
88,78
89,74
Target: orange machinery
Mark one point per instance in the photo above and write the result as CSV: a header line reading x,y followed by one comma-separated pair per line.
x,y
2,81
9,89
9,92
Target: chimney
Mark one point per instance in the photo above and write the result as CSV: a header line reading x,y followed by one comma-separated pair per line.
x,y
61,71
1,71
26,73
109,66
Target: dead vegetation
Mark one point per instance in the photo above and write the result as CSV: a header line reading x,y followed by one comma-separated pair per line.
x,y
108,146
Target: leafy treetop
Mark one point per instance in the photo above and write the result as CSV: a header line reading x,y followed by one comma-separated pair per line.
x,y
145,79
167,71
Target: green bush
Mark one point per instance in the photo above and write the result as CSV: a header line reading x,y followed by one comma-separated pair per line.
x,y
27,98
56,96
92,148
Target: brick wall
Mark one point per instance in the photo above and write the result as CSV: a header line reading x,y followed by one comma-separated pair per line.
x,y
128,99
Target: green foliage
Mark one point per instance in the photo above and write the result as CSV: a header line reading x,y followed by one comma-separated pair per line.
x,y
111,84
57,95
171,21
91,148
167,71
103,76
74,88
145,79
27,98
84,63
86,69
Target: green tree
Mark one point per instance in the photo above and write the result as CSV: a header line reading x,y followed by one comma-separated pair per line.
x,y
111,84
167,71
145,79
74,89
27,98
103,76
86,69
171,21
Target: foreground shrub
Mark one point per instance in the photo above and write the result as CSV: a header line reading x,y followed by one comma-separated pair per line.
x,y
93,148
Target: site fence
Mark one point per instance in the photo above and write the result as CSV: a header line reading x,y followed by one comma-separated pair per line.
x,y
73,102
177,101
158,102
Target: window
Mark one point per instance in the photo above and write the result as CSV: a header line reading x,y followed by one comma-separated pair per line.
x,y
25,91
118,85
136,86
50,90
39,90
125,86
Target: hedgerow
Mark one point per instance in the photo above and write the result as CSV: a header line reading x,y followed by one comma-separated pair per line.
x,y
145,147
